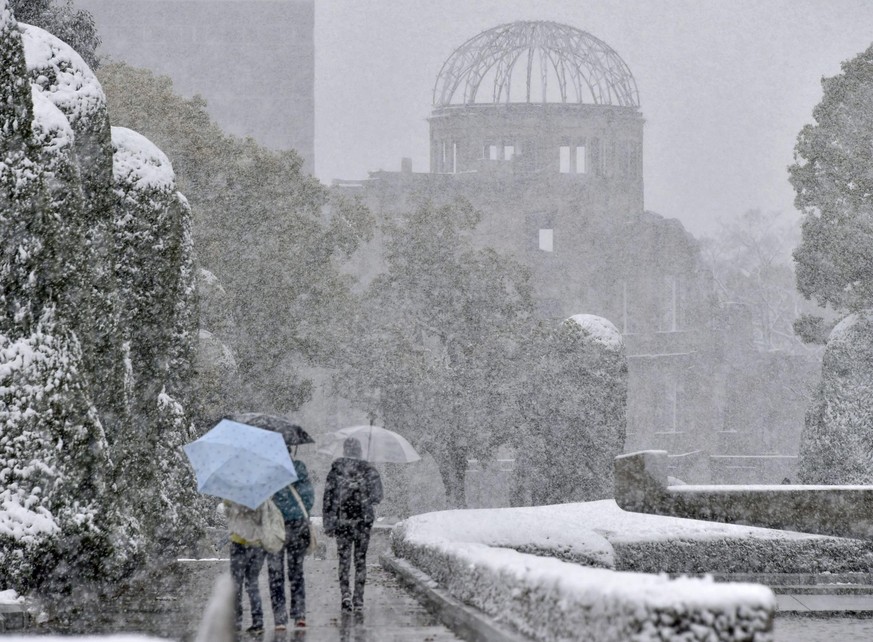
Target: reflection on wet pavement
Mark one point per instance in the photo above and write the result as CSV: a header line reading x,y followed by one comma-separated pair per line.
x,y
390,613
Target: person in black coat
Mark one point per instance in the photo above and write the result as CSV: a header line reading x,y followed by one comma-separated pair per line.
x,y
352,489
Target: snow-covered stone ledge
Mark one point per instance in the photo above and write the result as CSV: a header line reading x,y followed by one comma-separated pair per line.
x,y
476,555
641,485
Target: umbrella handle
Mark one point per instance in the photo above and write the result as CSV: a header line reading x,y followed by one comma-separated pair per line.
x,y
369,441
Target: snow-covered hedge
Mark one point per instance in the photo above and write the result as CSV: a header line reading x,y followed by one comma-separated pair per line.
x,y
818,554
475,556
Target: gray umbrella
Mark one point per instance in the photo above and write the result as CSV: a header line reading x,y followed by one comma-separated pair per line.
x,y
293,434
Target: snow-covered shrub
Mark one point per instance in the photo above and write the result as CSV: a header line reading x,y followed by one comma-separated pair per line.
x,y
59,74
475,556
70,512
837,441
575,422
158,317
53,454
816,554
53,462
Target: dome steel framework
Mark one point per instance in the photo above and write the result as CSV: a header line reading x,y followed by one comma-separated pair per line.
x,y
525,57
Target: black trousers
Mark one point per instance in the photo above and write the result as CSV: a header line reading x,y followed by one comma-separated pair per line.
x,y
296,543
245,567
352,541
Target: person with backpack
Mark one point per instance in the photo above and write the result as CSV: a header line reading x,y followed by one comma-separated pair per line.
x,y
352,489
295,501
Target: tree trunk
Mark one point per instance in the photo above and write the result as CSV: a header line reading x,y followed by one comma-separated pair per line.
x,y
452,464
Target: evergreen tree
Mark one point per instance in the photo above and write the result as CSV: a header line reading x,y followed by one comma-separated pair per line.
x,y
572,404
270,234
53,453
74,26
834,261
837,443
61,76
834,191
435,341
71,507
154,273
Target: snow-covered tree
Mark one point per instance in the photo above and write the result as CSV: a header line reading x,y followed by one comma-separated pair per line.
x,y
436,338
834,191
53,452
269,233
71,509
154,273
834,265
61,76
60,17
750,260
572,409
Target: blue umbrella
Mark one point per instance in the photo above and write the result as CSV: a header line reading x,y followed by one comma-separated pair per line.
x,y
241,463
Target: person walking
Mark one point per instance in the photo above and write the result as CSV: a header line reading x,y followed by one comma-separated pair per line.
x,y
294,501
352,489
246,560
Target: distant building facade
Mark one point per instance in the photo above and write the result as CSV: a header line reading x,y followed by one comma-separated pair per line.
x,y
538,125
252,60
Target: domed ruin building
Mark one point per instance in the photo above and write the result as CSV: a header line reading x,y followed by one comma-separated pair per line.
x,y
539,126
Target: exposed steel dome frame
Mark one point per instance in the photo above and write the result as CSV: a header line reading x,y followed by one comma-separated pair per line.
x,y
586,68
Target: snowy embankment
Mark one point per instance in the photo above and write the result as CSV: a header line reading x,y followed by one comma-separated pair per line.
x,y
483,558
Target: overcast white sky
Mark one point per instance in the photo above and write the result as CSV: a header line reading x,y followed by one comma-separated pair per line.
x,y
724,85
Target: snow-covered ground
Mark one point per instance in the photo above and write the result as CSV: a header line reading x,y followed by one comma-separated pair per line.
x,y
482,558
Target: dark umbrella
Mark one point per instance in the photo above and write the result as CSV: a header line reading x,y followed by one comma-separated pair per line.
x,y
293,434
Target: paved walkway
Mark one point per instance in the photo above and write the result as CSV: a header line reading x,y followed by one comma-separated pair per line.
x,y
390,613
170,602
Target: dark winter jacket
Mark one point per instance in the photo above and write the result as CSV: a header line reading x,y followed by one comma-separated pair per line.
x,y
350,479
285,499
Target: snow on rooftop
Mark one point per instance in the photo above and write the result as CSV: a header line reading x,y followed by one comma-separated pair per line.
x,y
59,72
137,161
599,329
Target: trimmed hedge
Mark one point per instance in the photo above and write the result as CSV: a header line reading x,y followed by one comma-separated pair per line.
x,y
548,599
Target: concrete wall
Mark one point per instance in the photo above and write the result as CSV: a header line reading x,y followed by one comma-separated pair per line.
x,y
845,511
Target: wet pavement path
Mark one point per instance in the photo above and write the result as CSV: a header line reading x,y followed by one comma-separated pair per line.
x,y
169,603
390,613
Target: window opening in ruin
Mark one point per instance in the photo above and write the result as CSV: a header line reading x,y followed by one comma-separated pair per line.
x,y
580,160
442,166
669,304
492,152
671,409
508,152
565,159
547,238
454,158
